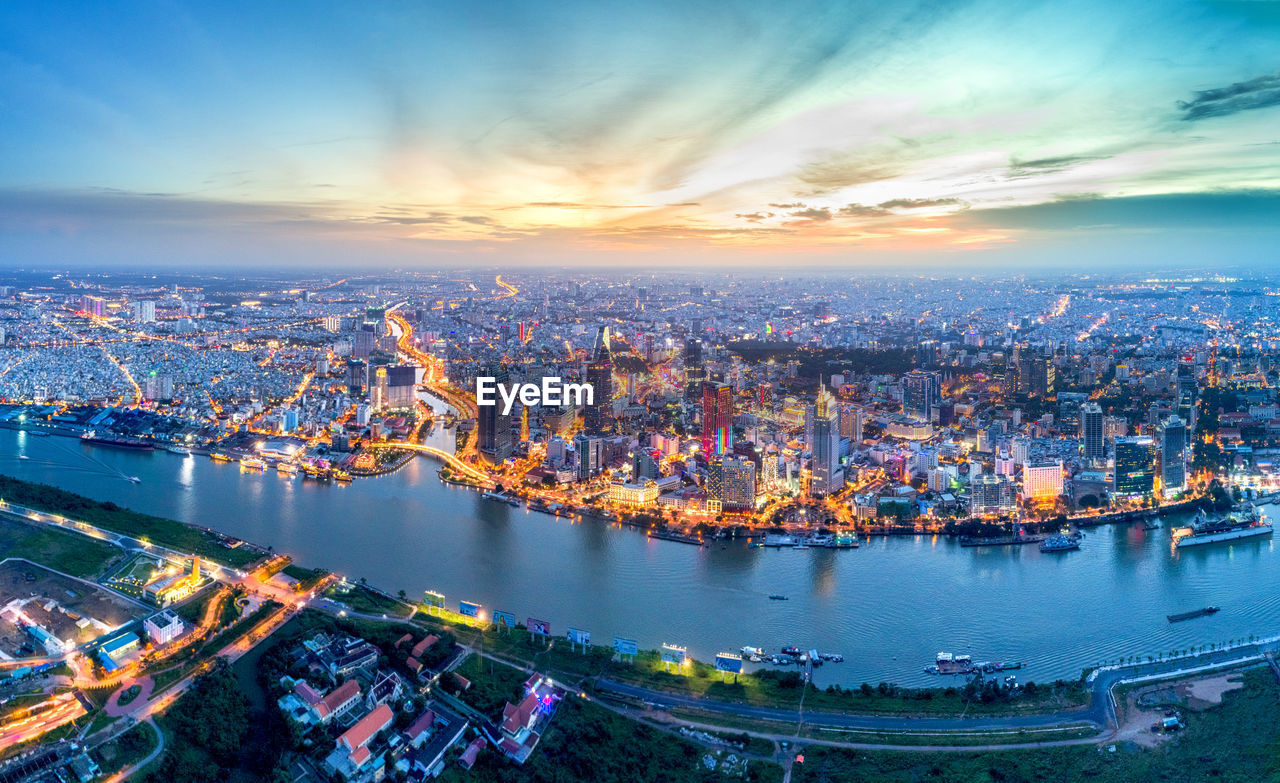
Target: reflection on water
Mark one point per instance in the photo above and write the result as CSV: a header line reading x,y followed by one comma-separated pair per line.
x,y
889,606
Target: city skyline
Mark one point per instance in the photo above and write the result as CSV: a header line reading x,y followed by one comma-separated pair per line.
x,y
971,137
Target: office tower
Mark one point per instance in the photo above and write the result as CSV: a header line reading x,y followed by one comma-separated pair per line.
x,y
600,376
378,388
992,494
494,428
717,419
1092,433
1173,456
643,465
695,373
920,394
357,377
1135,472
825,447
1021,450
732,482
1185,389
1069,404
1042,377
589,452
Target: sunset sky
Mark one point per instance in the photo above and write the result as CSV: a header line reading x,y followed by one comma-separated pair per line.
x,y
906,133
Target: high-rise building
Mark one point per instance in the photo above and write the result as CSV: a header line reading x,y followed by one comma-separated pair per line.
x,y
643,465
1092,434
600,376
992,494
717,419
695,373
494,427
732,482
401,388
1042,480
589,451
1135,470
363,343
1173,456
144,312
357,377
921,392
93,305
1186,388
826,476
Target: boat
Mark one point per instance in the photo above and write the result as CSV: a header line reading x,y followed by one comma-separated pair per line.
x,y
342,476
501,498
181,450
252,463
753,654
947,663
117,442
133,479
778,597
791,650
1204,530
1059,544
288,468
219,456
23,456
1179,617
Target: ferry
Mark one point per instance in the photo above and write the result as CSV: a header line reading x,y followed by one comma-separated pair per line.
x,y
1059,544
288,468
252,463
1229,528
219,456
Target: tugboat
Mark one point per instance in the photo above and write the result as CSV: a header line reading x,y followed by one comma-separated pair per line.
x,y
1211,531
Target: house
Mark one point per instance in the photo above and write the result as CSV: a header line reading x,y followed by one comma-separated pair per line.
x,y
304,704
420,729
351,753
426,758
421,647
343,657
337,701
518,719
387,688
468,757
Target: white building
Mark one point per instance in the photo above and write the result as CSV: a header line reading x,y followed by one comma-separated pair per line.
x,y
1042,480
163,627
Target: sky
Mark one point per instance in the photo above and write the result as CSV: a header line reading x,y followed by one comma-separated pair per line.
x,y
852,134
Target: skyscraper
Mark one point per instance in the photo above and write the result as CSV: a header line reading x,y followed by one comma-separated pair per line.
x,y
717,419
695,372
600,376
494,428
1173,456
1135,473
1091,432
920,393
825,448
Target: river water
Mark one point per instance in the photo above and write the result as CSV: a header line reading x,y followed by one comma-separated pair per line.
x,y
888,606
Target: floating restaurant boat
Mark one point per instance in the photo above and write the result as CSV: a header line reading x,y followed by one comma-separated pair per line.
x,y
252,463
1177,618
219,456
288,468
180,450
342,476
1204,530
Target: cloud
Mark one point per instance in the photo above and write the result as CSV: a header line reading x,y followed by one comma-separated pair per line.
x,y
813,214
862,210
796,205
1039,166
921,203
1256,93
754,217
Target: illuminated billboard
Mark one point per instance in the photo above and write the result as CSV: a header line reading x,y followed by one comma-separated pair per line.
x,y
538,627
625,646
504,618
468,609
729,662
673,654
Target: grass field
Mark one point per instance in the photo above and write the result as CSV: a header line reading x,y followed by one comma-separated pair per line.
x,y
1238,740
61,550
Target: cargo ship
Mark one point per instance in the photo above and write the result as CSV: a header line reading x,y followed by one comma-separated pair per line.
x,y
1204,530
1059,544
117,442
1179,617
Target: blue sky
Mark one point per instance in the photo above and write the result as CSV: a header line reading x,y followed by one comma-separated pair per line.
x,y
840,134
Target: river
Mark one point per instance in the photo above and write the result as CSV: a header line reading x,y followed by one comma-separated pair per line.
x,y
888,606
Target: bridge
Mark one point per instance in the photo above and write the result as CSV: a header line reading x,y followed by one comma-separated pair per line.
x,y
449,459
